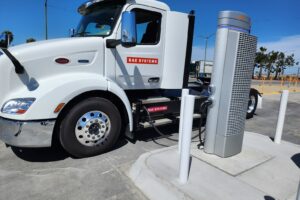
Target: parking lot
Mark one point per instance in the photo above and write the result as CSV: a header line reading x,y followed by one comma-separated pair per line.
x,y
52,174
266,118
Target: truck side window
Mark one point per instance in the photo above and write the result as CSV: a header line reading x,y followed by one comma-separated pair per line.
x,y
148,25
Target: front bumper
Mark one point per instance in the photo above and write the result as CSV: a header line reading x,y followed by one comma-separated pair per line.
x,y
26,134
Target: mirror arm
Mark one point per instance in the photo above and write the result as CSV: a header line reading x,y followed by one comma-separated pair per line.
x,y
19,69
112,43
128,45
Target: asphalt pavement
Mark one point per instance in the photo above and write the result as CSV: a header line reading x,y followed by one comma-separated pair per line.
x,y
51,174
45,173
265,120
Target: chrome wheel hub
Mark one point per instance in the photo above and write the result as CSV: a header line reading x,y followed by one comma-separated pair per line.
x,y
92,128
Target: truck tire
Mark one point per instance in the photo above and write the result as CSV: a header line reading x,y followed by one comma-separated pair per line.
x,y
252,103
90,128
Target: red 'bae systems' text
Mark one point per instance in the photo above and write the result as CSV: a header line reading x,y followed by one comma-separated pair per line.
x,y
157,109
136,60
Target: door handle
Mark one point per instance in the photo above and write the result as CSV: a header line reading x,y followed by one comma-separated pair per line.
x,y
153,80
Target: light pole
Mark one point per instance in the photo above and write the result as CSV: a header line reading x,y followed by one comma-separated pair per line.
x,y
8,40
206,42
46,19
7,36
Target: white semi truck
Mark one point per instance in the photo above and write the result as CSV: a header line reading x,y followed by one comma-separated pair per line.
x,y
126,60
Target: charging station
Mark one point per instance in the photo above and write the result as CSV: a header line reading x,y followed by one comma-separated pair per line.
x,y
230,85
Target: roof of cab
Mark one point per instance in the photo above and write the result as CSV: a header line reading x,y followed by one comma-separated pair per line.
x,y
152,3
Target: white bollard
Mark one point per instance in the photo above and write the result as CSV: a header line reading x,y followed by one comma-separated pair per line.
x,y
298,193
186,139
281,116
259,102
184,93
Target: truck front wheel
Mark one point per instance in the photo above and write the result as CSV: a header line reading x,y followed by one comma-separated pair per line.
x,y
90,128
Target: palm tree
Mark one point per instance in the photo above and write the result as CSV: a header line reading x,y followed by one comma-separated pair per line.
x,y
260,60
7,40
273,62
9,37
280,62
272,59
3,44
283,62
29,40
289,61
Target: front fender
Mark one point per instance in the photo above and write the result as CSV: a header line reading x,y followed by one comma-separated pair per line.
x,y
62,89
118,91
55,90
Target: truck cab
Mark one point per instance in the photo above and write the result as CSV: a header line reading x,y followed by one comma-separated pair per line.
x,y
82,90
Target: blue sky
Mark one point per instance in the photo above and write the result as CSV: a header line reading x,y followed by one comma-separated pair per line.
x,y
275,22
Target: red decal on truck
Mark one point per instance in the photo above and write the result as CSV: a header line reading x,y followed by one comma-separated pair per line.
x,y
138,60
157,109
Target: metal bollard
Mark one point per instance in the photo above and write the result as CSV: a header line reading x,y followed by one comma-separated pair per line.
x,y
184,93
281,116
298,193
260,102
186,139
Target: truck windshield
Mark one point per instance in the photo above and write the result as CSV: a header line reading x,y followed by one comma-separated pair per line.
x,y
99,20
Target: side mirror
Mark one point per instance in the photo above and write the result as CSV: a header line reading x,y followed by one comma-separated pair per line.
x,y
128,30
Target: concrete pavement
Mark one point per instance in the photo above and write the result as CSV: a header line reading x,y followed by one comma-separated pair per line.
x,y
263,170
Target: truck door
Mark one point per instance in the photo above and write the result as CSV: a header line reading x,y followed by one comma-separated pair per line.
x,y
140,67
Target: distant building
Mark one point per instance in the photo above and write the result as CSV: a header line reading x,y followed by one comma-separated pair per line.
x,y
204,69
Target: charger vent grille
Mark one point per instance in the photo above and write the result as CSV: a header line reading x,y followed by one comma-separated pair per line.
x,y
241,84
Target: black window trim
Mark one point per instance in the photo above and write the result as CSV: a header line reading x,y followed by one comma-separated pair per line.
x,y
114,27
161,17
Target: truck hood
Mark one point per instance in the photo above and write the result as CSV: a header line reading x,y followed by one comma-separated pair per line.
x,y
57,47
38,59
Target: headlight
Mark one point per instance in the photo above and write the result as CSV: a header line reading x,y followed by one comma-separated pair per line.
x,y
17,106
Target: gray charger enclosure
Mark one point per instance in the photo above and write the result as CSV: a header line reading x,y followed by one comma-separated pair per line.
x,y
231,80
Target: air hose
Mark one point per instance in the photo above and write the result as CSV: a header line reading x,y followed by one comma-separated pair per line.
x,y
203,109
